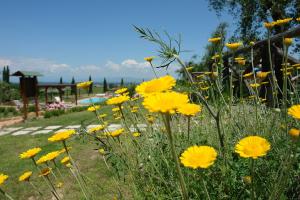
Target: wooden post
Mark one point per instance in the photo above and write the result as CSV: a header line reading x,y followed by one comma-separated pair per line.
x,y
60,93
75,95
46,95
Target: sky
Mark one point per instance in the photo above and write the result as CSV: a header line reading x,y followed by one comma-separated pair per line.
x,y
96,37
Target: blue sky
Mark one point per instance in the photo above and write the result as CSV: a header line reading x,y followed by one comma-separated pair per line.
x,y
78,38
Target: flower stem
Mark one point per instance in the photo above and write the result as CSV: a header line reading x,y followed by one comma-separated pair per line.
x,y
188,124
252,180
178,169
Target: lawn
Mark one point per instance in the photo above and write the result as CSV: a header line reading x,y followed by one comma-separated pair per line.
x,y
90,162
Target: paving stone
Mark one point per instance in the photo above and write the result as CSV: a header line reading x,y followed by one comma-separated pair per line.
x,y
114,127
4,132
41,132
91,126
52,127
21,133
32,128
73,126
12,129
142,125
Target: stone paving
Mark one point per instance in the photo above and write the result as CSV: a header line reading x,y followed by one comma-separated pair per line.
x,y
17,131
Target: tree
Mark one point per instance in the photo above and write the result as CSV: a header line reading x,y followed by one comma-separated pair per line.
x,y
7,74
73,89
122,82
250,14
4,74
61,80
105,89
91,86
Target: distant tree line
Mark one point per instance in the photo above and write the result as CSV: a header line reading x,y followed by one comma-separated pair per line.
x,y
5,74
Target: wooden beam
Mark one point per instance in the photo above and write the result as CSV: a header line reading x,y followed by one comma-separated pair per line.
x,y
294,32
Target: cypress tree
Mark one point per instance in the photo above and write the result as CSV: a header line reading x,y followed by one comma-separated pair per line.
x,y
91,86
7,74
4,74
105,85
73,88
122,82
61,80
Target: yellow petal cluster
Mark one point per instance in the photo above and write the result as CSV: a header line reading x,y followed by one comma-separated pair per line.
x,y
294,132
96,129
252,147
61,135
262,75
65,160
166,102
233,46
117,132
48,157
93,108
117,100
161,84
149,59
84,85
189,109
214,40
288,41
3,178
198,157
45,172
121,90
294,111
25,176
30,153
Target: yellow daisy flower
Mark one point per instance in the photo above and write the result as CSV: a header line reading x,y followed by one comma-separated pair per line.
x,y
3,178
117,100
136,134
252,147
30,153
294,111
288,41
25,176
121,90
93,108
65,160
161,84
96,129
198,157
294,132
233,46
117,132
149,59
167,102
214,40
269,25
189,109
262,75
61,135
84,85
45,172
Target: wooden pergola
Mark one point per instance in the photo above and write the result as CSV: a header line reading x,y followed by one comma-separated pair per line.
x,y
59,87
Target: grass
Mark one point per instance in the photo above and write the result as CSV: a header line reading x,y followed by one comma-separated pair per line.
x,y
89,160
74,118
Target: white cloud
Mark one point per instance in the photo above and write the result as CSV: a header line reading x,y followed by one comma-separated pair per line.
x,y
52,71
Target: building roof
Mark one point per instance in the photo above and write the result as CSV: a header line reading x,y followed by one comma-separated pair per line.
x,y
26,73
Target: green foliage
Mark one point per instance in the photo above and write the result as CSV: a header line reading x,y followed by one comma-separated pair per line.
x,y
53,113
5,74
61,80
91,86
8,92
122,82
73,89
8,111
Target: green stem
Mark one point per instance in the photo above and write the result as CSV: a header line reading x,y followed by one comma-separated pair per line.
x,y
5,194
173,150
252,180
188,128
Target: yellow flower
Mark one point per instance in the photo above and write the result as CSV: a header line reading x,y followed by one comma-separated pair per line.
x,y
65,160
214,40
167,102
161,84
96,129
61,135
189,68
282,21
136,134
204,88
149,59
117,100
241,62
239,58
233,46
117,132
252,43
254,85
25,176
189,109
294,111
269,25
247,179
252,147
101,151
59,184
150,119
93,108
30,153
102,115
216,56
48,157
3,178
45,172
298,19
121,90
248,75
63,150
288,41
116,109
294,132
84,85
296,65
262,75
264,83
198,157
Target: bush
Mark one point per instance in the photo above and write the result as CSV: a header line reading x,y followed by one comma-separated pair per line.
x,y
8,92
52,113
